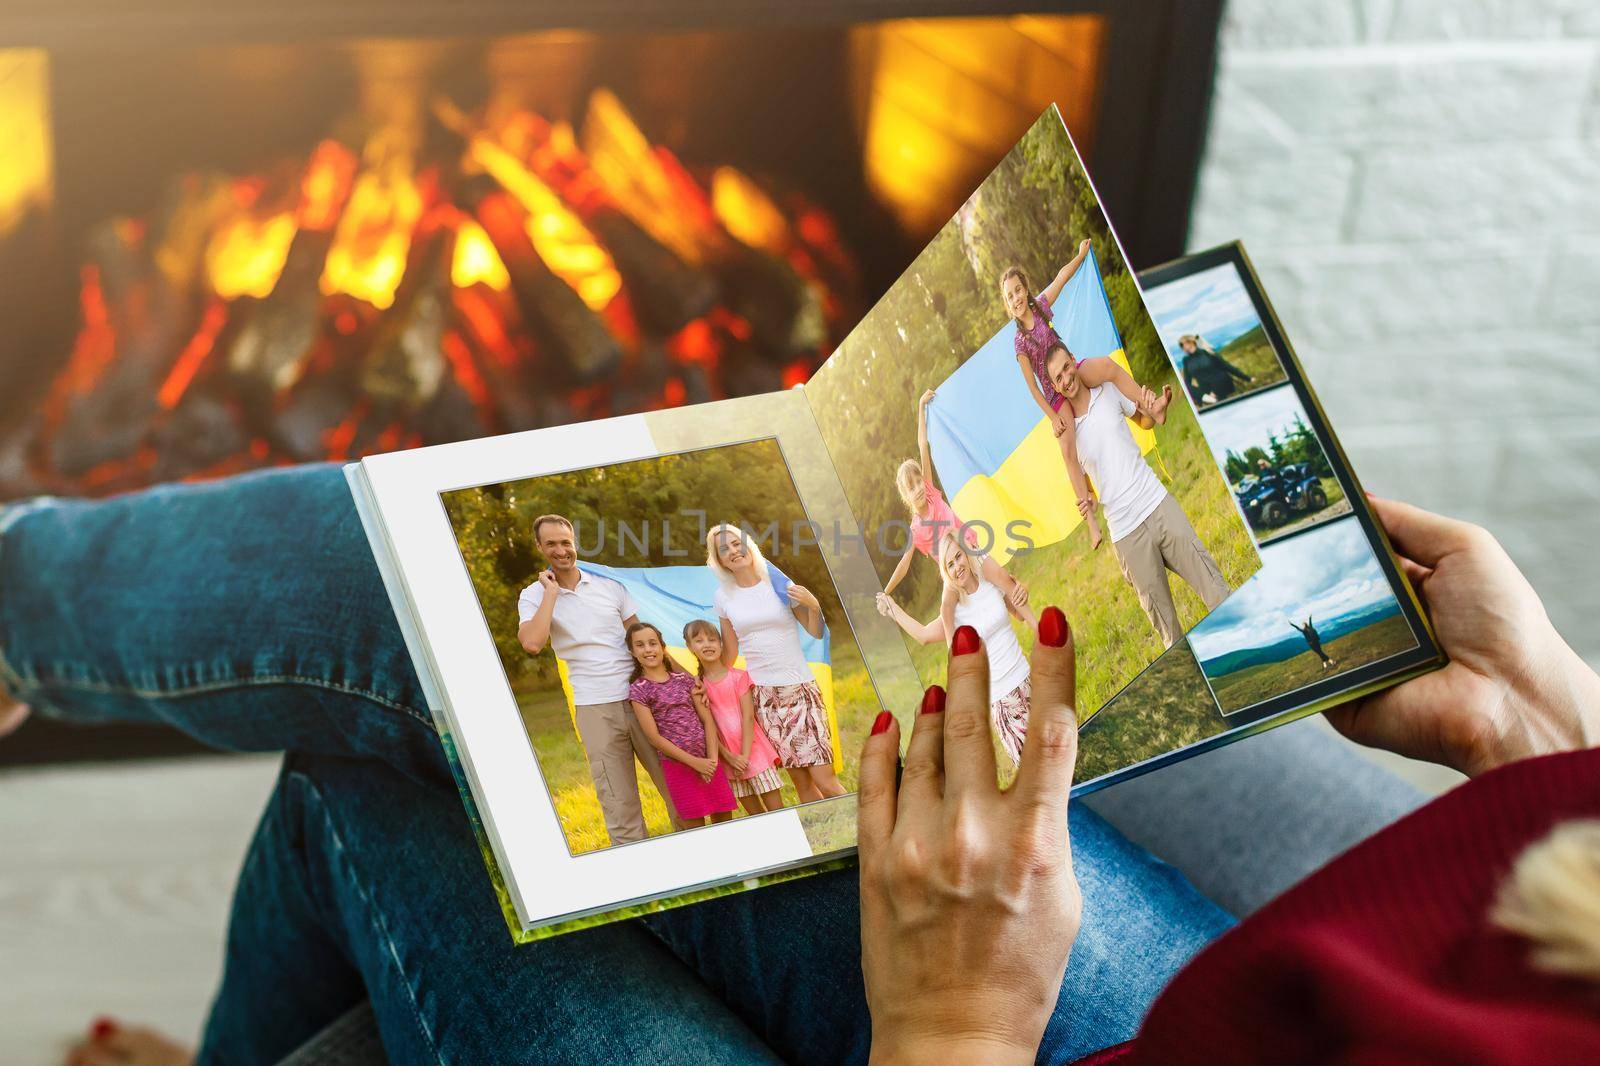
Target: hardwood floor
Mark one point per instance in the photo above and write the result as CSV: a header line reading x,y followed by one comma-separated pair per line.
x,y
115,883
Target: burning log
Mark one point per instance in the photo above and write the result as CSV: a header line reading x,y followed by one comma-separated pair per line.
x,y
660,195
562,322
107,412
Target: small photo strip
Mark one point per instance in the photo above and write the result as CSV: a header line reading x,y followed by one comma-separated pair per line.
x,y
1320,606
1214,333
1279,470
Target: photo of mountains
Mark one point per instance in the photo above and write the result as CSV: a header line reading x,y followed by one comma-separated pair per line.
x,y
1320,606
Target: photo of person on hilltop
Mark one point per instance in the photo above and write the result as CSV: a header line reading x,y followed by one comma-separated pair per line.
x,y
1313,641
1036,335
1150,533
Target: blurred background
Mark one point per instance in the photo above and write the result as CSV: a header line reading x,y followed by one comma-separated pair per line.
x,y
234,235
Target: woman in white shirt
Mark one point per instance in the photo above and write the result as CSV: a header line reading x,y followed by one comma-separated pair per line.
x,y
758,608
972,600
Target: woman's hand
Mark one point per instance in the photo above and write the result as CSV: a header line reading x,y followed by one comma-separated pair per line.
x,y
801,596
1513,688
1083,246
885,604
1018,597
1058,422
1086,506
969,906
926,399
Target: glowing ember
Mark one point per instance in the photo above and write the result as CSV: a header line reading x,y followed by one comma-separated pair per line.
x,y
193,355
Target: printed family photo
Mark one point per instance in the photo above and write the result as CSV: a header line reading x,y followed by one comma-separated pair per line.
x,y
1279,470
673,638
1321,605
1019,421
1214,334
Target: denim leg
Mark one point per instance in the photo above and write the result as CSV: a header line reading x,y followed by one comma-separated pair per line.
x,y
247,613
361,882
787,958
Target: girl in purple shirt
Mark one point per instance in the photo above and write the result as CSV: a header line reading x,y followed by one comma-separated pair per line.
x,y
677,722
1036,335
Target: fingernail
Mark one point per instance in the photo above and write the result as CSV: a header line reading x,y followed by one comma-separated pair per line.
x,y
880,724
1053,627
933,699
965,641
102,1029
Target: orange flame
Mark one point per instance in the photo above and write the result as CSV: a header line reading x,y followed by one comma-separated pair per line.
x,y
373,235
748,213
475,259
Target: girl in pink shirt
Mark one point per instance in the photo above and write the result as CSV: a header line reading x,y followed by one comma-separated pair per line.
x,y
932,517
751,760
1036,335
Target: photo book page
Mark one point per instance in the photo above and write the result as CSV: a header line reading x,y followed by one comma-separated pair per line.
x,y
654,644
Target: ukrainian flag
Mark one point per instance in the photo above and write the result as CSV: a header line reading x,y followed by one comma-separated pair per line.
x,y
997,457
670,597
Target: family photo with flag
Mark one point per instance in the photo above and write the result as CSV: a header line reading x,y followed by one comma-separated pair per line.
x,y
1044,428
674,668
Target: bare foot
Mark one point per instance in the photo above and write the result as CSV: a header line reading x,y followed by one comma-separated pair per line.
x,y
110,1044
1158,407
12,713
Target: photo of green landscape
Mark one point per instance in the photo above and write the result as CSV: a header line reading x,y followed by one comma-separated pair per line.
x,y
1215,306
1320,606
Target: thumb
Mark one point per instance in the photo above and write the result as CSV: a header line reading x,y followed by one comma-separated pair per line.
x,y
1421,535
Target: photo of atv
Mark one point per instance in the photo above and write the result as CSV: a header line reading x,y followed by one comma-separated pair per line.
x,y
1269,499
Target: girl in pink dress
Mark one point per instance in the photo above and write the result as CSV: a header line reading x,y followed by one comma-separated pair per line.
x,y
1036,335
677,722
932,516
747,753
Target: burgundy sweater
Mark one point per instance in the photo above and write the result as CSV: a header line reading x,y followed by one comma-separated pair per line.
x,y
1386,955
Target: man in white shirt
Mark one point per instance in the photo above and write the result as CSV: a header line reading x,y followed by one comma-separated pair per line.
x,y
586,617
1150,534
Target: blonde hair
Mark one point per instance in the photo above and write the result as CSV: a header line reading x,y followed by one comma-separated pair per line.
x,y
914,498
1198,341
751,548
952,536
1552,898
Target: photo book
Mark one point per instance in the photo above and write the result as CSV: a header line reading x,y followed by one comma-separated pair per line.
x,y
654,644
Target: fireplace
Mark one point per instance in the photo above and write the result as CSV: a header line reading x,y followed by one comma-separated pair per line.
x,y
234,235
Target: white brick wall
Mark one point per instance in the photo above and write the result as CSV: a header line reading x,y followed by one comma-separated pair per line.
x,y
1419,183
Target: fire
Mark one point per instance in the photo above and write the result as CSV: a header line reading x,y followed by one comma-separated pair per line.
x,y
325,185
245,255
193,356
748,213
373,235
645,182
476,260
565,244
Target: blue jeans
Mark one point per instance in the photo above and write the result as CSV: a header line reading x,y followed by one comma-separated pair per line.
x,y
249,614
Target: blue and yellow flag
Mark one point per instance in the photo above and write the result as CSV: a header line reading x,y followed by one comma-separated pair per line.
x,y
670,597
996,455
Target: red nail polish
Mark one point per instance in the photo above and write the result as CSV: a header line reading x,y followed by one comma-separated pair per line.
x,y
102,1029
1053,627
965,641
880,724
933,699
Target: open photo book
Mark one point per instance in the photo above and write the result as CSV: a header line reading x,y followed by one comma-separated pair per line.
x,y
654,644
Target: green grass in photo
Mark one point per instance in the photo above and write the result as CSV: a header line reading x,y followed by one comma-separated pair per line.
x,y
1383,638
